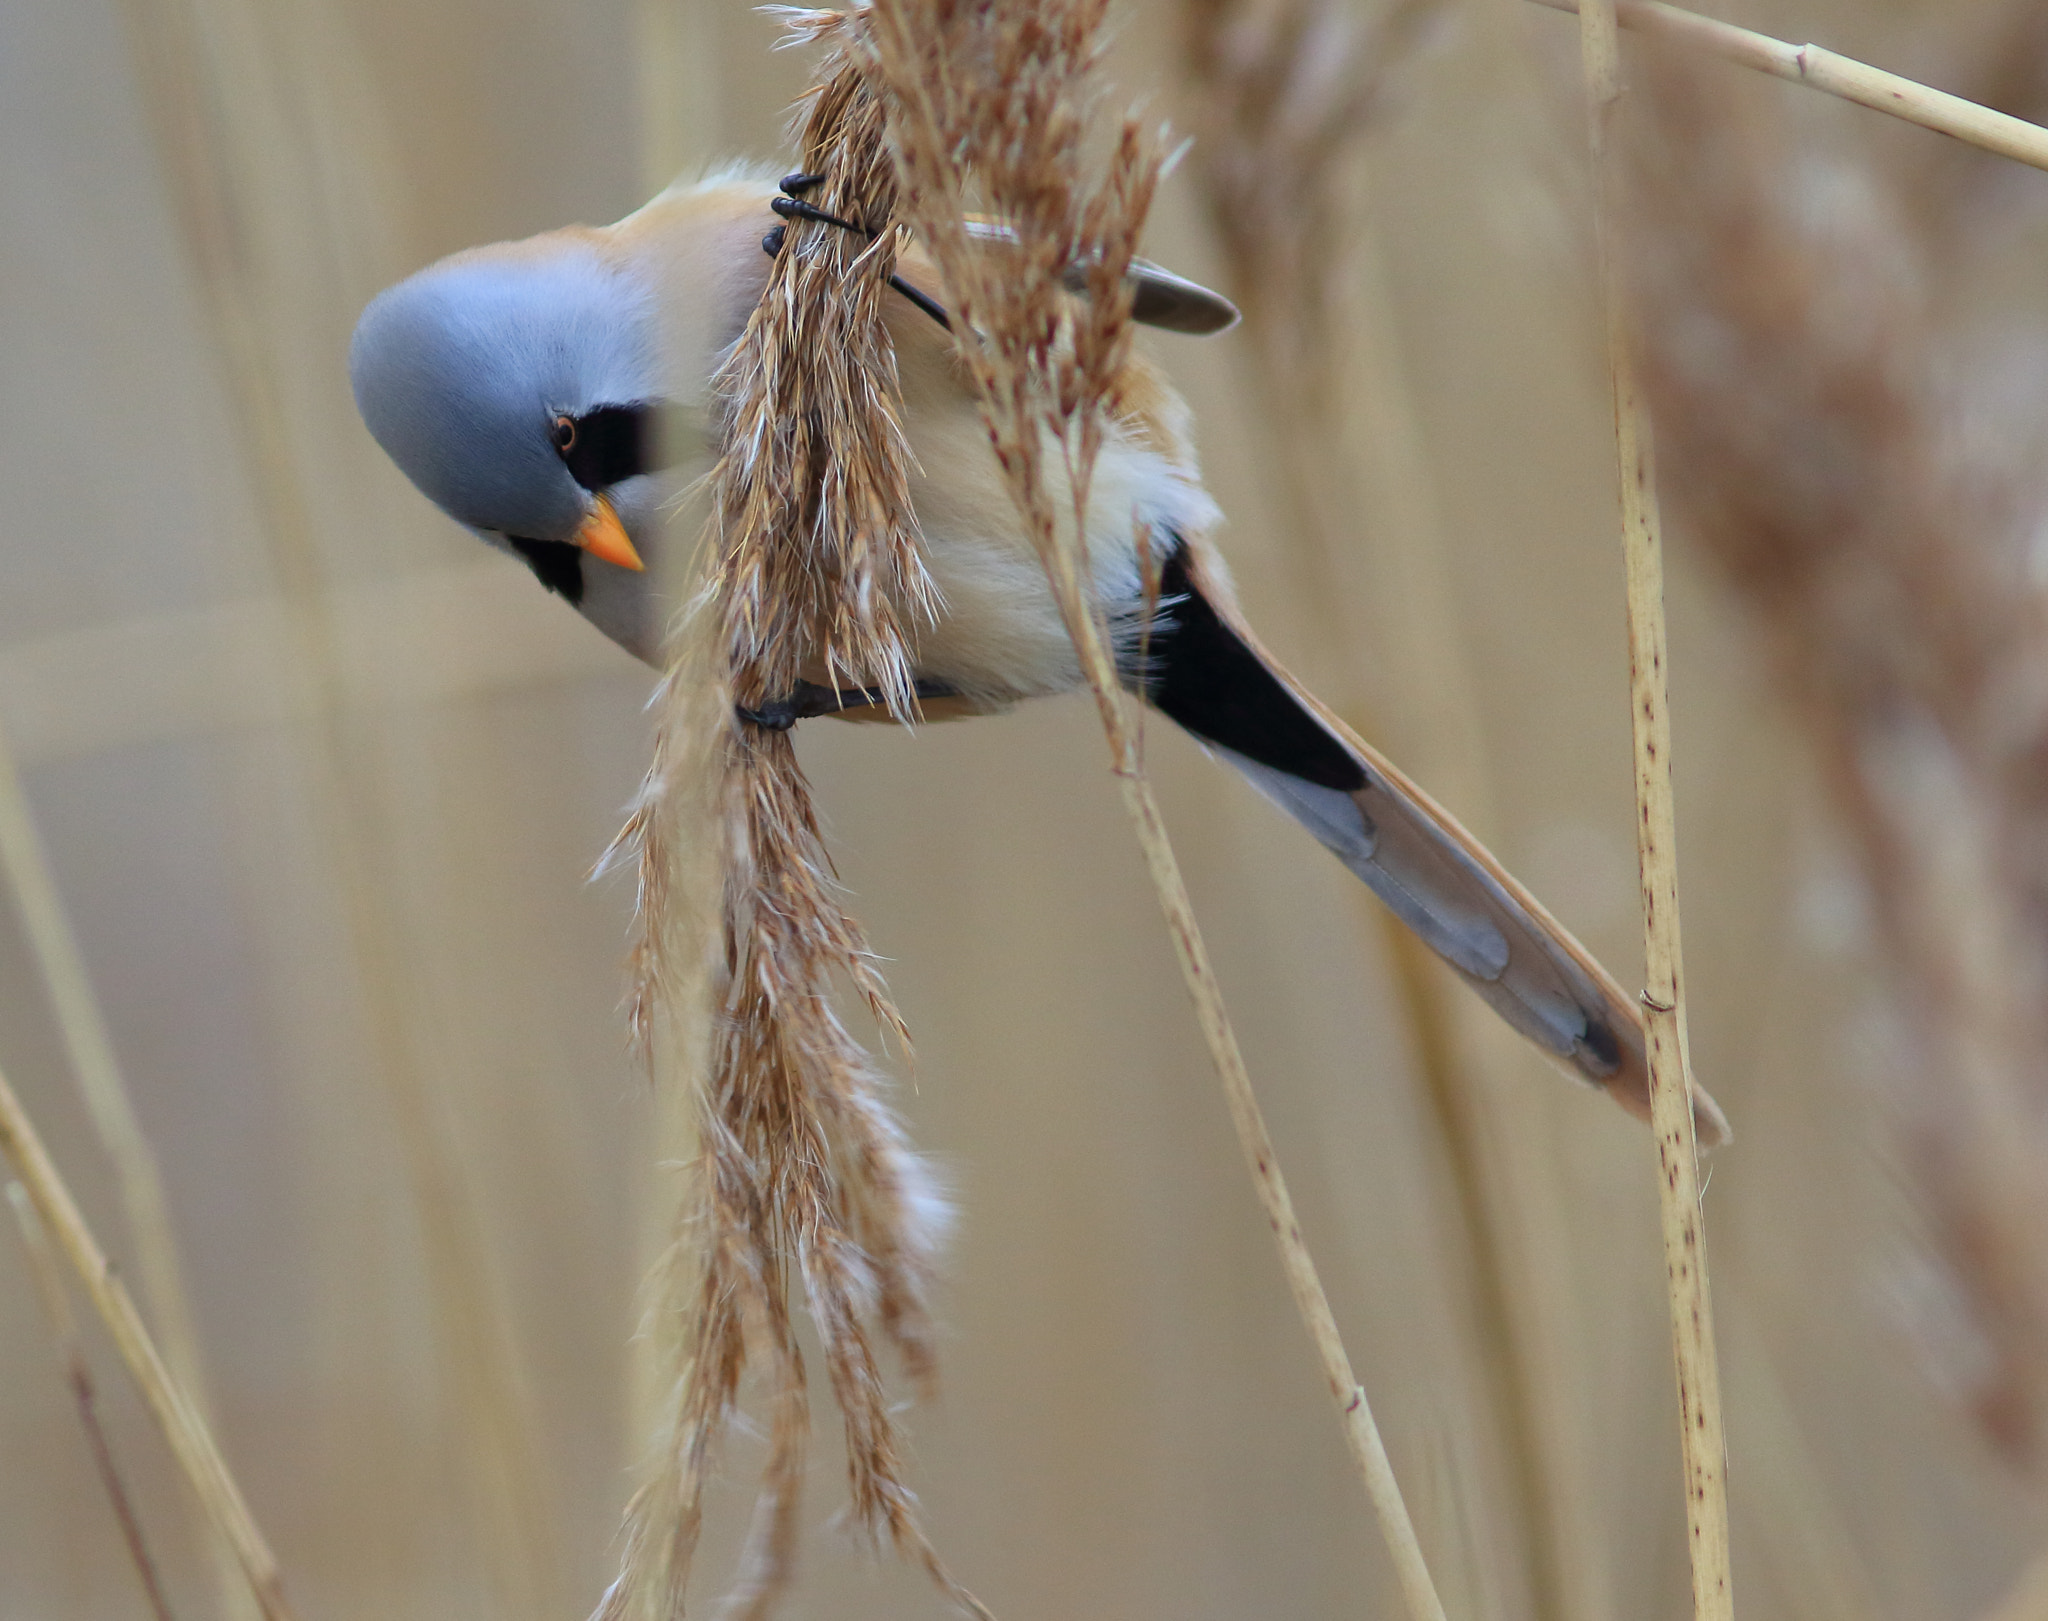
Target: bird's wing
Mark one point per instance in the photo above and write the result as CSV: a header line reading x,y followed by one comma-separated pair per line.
x,y
1207,672
1158,296
1173,303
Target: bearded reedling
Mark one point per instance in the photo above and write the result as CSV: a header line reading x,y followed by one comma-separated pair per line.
x,y
552,395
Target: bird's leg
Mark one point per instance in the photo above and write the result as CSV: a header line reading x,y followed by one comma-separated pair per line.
x,y
808,700
791,205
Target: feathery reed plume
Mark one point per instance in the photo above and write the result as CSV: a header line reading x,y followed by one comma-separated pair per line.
x,y
1289,96
998,106
1815,452
49,1285
817,577
803,1176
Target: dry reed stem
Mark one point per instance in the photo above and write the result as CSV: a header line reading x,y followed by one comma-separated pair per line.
x,y
1841,76
90,1048
190,1440
1701,1435
803,1177
1289,93
233,175
1826,454
998,109
49,1286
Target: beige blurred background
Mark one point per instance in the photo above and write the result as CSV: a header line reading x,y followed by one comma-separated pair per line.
x,y
321,785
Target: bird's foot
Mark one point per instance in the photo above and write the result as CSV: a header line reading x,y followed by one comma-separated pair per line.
x,y
791,205
808,700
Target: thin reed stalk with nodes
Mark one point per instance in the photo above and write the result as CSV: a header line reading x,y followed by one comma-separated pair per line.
x,y
997,110
191,1442
89,1047
1836,75
1289,98
1880,526
1701,1432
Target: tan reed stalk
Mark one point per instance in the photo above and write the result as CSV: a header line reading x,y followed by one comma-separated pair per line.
x,y
1819,454
255,207
49,1286
1290,93
1701,1436
190,1440
1004,103
90,1048
1995,58
1838,76
803,1178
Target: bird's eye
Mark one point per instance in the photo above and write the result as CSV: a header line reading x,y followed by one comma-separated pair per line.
x,y
564,434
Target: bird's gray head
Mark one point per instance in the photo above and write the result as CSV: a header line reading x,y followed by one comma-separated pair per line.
x,y
517,388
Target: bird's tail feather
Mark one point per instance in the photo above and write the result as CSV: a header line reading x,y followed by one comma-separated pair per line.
x,y
1207,672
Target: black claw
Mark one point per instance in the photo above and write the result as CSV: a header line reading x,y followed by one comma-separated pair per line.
x,y
776,717
793,207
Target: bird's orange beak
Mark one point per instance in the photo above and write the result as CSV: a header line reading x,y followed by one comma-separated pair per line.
x,y
602,535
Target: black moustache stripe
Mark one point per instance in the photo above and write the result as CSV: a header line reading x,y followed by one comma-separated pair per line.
x,y
555,563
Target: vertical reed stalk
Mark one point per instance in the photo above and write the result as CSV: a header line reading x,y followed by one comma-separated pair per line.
x,y
190,1440
1291,92
49,1286
1003,103
1361,1429
90,1048
1685,1258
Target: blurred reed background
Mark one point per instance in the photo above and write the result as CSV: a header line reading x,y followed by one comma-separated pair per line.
x,y
320,784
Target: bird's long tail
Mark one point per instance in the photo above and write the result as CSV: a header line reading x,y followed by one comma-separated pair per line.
x,y
1205,670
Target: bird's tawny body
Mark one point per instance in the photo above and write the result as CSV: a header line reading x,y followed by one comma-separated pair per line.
x,y
696,251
